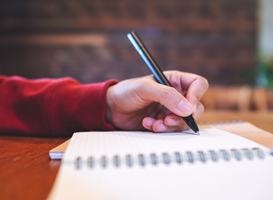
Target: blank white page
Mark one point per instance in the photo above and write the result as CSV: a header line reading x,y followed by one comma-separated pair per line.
x,y
250,179
99,144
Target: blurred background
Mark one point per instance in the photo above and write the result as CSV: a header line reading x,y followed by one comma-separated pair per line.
x,y
229,42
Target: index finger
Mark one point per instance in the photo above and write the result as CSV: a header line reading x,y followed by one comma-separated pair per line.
x,y
194,85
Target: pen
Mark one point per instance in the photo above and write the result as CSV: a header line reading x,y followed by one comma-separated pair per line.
x,y
157,72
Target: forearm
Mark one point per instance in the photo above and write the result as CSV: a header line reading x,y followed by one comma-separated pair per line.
x,y
51,106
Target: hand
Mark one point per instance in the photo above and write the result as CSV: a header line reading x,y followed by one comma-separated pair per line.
x,y
142,103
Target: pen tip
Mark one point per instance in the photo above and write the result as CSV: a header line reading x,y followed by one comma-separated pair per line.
x,y
197,133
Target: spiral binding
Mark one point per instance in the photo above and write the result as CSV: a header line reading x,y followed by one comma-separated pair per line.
x,y
176,157
221,123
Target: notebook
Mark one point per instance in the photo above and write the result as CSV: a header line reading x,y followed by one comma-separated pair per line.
x,y
244,129
58,151
180,165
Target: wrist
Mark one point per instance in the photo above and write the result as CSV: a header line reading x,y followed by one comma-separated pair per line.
x,y
108,111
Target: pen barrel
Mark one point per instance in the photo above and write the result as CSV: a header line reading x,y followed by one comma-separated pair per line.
x,y
157,72
148,59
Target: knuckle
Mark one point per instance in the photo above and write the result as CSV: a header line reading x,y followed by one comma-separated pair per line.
x,y
168,92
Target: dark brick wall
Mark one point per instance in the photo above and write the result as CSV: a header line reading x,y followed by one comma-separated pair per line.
x,y
213,38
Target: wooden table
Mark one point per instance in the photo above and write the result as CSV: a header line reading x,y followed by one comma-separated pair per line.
x,y
263,120
26,171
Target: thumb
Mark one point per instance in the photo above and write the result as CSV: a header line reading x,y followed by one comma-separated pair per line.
x,y
168,97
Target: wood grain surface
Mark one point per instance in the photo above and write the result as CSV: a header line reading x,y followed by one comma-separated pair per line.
x,y
26,171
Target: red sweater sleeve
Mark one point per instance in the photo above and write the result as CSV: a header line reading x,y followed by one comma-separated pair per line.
x,y
53,107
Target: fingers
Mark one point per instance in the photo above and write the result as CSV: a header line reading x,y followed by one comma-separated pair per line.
x,y
196,91
167,96
158,126
194,85
171,122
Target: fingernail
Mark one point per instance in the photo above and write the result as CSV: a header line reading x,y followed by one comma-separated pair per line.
x,y
172,122
149,122
185,107
161,128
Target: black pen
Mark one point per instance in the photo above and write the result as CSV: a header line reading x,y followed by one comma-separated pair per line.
x,y
157,72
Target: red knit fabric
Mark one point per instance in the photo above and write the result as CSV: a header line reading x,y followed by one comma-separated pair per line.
x,y
51,107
